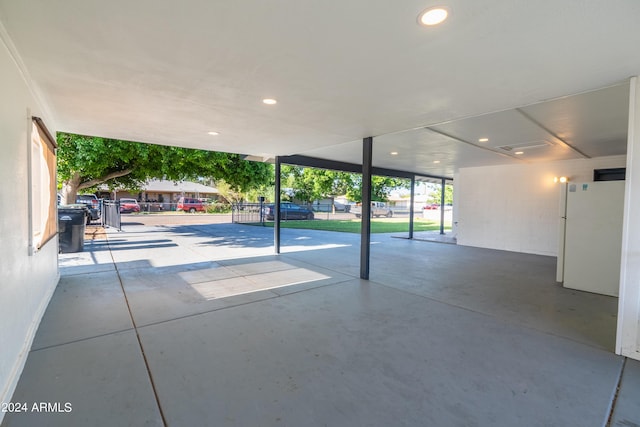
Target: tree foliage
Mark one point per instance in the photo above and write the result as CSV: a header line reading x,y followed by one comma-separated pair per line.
x,y
381,186
85,162
309,184
252,195
436,194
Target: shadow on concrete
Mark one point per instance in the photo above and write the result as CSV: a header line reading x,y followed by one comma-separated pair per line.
x,y
249,236
123,245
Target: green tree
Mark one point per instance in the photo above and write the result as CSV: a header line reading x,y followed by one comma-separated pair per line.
x,y
308,184
229,194
85,162
436,194
381,186
266,191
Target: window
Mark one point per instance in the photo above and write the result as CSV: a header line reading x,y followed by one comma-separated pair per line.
x,y
42,194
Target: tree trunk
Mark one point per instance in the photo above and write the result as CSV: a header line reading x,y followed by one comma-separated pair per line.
x,y
69,190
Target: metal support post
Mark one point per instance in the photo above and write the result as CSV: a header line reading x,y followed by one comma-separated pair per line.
x,y
411,204
276,209
365,230
444,183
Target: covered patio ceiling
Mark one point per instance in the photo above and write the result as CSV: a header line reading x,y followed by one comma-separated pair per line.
x,y
547,79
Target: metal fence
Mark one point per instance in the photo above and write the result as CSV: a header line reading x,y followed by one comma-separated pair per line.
x,y
111,216
248,213
252,213
199,207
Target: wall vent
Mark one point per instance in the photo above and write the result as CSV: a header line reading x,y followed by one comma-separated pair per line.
x,y
613,174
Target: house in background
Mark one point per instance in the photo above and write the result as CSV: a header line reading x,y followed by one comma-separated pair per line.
x,y
403,202
170,191
167,192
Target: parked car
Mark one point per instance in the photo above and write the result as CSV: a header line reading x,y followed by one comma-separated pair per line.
x,y
92,203
129,205
189,204
288,211
341,207
377,209
432,207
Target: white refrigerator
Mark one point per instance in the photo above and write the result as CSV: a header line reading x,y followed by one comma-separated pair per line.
x,y
591,236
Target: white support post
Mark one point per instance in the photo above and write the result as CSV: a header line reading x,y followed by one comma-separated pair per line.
x,y
562,232
628,333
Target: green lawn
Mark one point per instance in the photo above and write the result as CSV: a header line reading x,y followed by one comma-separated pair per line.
x,y
378,225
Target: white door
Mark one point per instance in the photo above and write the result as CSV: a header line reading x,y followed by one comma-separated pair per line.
x,y
593,241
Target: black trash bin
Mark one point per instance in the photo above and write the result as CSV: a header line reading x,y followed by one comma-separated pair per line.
x,y
71,223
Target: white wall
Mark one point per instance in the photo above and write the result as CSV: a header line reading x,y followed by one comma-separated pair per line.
x,y
628,336
26,281
516,207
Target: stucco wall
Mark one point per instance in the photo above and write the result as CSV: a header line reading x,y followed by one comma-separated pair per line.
x,y
516,207
26,281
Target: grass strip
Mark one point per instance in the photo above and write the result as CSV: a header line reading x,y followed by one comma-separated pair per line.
x,y
381,225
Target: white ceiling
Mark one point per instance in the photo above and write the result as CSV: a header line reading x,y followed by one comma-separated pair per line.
x,y
168,72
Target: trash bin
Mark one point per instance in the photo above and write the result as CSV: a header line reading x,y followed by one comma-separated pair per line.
x,y
71,223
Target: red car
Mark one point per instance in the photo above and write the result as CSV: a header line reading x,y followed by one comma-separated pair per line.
x,y
433,207
129,206
190,205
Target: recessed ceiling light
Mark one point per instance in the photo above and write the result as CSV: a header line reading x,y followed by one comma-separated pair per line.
x,y
269,101
519,152
394,153
436,161
483,140
213,133
433,16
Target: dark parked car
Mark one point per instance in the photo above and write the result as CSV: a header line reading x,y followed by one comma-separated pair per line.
x,y
92,202
288,211
188,204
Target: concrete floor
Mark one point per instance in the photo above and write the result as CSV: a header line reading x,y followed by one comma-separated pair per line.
x,y
202,325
